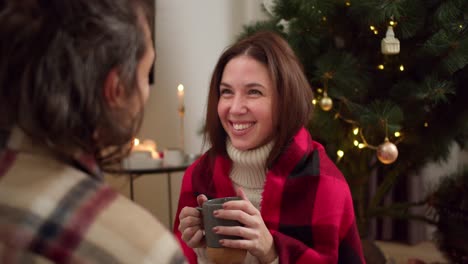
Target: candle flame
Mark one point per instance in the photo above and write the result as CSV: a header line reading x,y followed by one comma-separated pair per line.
x,y
155,154
180,88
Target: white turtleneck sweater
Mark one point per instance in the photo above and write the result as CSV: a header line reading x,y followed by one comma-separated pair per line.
x,y
249,170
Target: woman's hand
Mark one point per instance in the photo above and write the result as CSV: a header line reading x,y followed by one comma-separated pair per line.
x,y
191,226
257,239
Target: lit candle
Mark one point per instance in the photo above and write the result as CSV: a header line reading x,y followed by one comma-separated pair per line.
x,y
181,110
144,155
147,146
180,95
136,142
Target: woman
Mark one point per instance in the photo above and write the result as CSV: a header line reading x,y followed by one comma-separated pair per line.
x,y
73,82
296,205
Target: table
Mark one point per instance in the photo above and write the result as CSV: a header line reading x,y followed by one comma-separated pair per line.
x,y
135,173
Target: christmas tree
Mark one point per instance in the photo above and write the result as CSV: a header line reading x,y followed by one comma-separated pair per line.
x,y
390,79
450,203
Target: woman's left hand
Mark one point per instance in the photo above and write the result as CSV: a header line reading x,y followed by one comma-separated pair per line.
x,y
257,239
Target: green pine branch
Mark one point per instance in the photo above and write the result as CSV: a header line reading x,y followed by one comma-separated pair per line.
x,y
419,92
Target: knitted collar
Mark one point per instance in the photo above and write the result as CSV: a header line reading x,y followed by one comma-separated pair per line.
x,y
253,157
249,166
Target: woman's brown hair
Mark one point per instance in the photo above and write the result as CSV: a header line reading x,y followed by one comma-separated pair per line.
x,y
293,107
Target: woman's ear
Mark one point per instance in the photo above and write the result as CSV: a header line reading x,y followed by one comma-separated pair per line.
x,y
113,90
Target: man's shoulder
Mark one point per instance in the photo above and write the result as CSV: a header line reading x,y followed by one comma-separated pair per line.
x,y
56,204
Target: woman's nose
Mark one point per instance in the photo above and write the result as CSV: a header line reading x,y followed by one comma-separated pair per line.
x,y
238,105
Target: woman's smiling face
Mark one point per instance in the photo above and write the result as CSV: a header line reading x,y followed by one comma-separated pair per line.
x,y
246,102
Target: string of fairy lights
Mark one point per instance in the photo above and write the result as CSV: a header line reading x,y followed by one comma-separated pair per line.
x,y
387,151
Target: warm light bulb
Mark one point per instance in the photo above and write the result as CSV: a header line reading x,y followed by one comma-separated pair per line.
x,y
376,32
356,143
356,131
340,153
361,145
460,26
372,28
314,101
402,68
426,124
381,67
348,3
397,134
392,23
319,90
324,18
136,142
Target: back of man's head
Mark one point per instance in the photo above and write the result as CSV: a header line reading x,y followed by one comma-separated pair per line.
x,y
55,56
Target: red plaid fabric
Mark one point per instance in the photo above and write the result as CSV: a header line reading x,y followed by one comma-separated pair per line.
x,y
306,203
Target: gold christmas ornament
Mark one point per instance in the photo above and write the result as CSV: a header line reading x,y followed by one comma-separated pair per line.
x,y
390,45
326,103
387,152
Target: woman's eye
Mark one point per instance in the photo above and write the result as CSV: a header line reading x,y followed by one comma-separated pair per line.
x,y
225,91
253,91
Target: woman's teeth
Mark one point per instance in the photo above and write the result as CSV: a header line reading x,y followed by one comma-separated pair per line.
x,y
242,126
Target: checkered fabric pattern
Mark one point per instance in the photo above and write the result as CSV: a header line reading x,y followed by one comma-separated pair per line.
x,y
52,212
306,203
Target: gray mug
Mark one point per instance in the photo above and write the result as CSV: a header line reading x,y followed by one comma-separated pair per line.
x,y
210,221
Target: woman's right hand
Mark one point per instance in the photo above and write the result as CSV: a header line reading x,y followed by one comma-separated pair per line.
x,y
191,224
